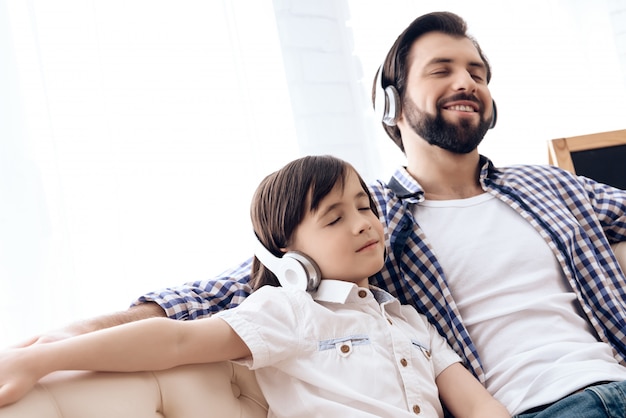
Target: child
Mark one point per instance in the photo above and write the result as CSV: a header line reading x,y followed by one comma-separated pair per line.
x,y
341,349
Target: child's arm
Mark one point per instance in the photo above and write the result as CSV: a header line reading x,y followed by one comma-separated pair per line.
x,y
465,397
152,344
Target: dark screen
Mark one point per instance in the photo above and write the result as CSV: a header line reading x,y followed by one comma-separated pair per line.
x,y
606,165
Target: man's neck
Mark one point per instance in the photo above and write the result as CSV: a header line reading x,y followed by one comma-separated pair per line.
x,y
444,175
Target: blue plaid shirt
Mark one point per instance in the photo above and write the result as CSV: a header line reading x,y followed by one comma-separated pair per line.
x,y
577,217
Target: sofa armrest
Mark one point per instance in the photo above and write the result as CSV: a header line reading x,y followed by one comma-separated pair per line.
x,y
209,390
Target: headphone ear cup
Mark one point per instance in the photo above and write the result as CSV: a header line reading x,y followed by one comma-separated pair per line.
x,y
392,106
290,272
387,101
293,269
494,115
312,274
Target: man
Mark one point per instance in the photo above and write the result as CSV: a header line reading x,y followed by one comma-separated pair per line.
x,y
512,265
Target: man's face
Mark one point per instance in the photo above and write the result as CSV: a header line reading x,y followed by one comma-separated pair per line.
x,y
447,101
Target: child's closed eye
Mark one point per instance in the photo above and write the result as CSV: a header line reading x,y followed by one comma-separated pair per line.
x,y
334,221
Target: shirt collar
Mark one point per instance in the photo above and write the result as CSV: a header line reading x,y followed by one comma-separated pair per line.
x,y
335,291
406,187
338,291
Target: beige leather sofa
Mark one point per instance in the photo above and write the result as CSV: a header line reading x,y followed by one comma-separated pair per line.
x,y
221,390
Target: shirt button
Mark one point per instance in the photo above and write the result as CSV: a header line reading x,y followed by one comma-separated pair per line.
x,y
416,409
404,362
362,293
345,348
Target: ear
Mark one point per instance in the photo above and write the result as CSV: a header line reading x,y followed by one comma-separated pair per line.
x,y
399,121
400,117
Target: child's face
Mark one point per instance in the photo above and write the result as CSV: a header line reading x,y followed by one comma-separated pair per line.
x,y
343,236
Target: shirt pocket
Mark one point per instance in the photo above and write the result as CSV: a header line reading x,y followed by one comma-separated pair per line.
x,y
421,348
344,346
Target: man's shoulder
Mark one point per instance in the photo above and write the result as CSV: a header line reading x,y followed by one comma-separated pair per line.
x,y
533,173
522,169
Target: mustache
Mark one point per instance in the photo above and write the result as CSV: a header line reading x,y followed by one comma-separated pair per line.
x,y
460,96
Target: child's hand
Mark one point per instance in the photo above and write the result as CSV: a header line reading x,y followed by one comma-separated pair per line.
x,y
17,376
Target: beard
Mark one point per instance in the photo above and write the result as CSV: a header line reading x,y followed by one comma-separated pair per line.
x,y
459,138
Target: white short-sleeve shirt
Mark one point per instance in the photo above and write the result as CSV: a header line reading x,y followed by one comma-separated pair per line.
x,y
344,351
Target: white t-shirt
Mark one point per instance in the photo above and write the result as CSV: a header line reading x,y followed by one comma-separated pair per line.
x,y
524,319
345,352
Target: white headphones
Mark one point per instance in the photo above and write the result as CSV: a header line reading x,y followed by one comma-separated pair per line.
x,y
387,103
293,269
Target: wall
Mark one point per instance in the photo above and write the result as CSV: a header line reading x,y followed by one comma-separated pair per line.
x,y
617,10
330,110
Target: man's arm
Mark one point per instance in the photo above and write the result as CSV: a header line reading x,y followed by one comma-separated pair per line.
x,y
132,314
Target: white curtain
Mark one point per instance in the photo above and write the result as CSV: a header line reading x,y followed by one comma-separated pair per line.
x,y
132,135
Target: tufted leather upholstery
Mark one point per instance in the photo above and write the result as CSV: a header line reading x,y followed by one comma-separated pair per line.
x,y
206,390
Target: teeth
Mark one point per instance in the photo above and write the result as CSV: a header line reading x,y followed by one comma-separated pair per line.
x,y
463,108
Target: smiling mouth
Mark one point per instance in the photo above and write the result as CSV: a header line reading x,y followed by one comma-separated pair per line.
x,y
462,108
366,246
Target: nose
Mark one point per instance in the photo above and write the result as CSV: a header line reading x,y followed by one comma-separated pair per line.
x,y
362,224
463,81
